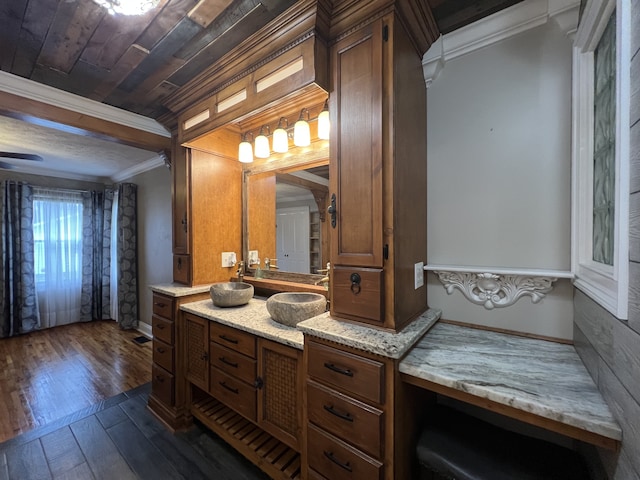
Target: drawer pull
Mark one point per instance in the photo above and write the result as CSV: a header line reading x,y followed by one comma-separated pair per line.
x,y
331,457
160,326
227,339
333,411
227,362
231,389
160,378
159,304
342,371
160,350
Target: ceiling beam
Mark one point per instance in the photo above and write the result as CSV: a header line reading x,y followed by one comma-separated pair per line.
x,y
70,121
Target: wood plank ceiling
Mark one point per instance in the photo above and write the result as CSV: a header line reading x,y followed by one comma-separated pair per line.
x,y
134,62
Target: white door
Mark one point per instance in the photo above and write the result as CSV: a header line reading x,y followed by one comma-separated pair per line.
x,y
292,239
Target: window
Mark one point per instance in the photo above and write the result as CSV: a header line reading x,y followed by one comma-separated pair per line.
x,y
57,235
601,154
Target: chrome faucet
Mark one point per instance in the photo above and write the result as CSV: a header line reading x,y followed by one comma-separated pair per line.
x,y
240,271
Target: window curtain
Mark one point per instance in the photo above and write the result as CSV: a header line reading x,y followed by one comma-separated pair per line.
x,y
96,257
57,230
18,300
127,256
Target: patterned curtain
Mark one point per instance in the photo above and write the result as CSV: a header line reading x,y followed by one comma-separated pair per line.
x,y
127,256
96,257
18,300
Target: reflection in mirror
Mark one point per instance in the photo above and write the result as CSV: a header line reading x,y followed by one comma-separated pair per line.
x,y
286,229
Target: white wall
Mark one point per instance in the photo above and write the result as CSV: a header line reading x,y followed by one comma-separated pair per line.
x,y
155,260
499,179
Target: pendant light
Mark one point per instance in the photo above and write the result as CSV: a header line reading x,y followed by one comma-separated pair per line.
x,y
261,143
301,132
324,126
245,151
280,136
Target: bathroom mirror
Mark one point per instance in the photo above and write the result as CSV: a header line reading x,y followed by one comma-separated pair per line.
x,y
284,221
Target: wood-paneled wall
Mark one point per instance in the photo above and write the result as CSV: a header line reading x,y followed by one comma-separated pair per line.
x,y
609,347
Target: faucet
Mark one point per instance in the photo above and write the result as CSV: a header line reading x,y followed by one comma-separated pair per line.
x,y
325,279
240,270
267,263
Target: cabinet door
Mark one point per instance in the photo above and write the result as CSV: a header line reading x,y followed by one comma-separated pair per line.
x,y
197,354
357,148
280,395
180,168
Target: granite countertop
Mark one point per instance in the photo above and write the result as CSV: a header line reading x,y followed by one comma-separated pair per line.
x,y
178,289
380,342
537,376
252,317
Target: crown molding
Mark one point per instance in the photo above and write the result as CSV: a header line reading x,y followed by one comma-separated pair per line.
x,y
142,167
24,87
504,24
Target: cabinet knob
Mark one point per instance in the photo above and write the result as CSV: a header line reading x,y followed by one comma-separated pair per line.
x,y
355,283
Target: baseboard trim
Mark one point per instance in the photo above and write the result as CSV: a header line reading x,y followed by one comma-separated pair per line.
x,y
145,329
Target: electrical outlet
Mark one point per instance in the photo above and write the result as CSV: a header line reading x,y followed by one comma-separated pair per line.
x,y
228,259
418,274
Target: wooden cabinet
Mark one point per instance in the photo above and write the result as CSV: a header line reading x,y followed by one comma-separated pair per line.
x,y
249,391
206,194
360,421
378,175
167,398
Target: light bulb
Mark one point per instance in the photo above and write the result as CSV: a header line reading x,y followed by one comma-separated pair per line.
x,y
245,152
324,125
262,144
280,138
301,132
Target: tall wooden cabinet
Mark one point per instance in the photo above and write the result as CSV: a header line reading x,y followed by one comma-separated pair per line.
x,y
206,194
378,173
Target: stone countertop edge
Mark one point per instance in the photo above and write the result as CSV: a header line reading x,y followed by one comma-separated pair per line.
x,y
370,339
536,376
252,318
178,290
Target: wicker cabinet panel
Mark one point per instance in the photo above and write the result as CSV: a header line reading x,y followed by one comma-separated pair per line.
x,y
280,397
348,419
357,375
234,339
162,329
337,460
233,363
197,343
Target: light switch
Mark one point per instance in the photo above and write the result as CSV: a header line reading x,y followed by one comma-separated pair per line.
x,y
228,259
419,275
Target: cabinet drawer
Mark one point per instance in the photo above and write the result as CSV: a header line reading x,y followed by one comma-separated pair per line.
x,y
234,339
182,269
163,306
162,329
162,385
336,460
348,372
233,393
163,355
349,419
358,294
233,363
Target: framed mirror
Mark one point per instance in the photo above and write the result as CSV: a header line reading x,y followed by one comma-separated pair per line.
x,y
285,233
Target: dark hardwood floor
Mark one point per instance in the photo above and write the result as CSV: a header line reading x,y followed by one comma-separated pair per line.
x,y
48,374
119,439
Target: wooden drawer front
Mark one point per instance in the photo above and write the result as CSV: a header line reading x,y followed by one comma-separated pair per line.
x,y
364,300
162,385
233,393
162,329
313,475
336,460
234,363
163,306
163,355
349,419
182,269
234,339
351,373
